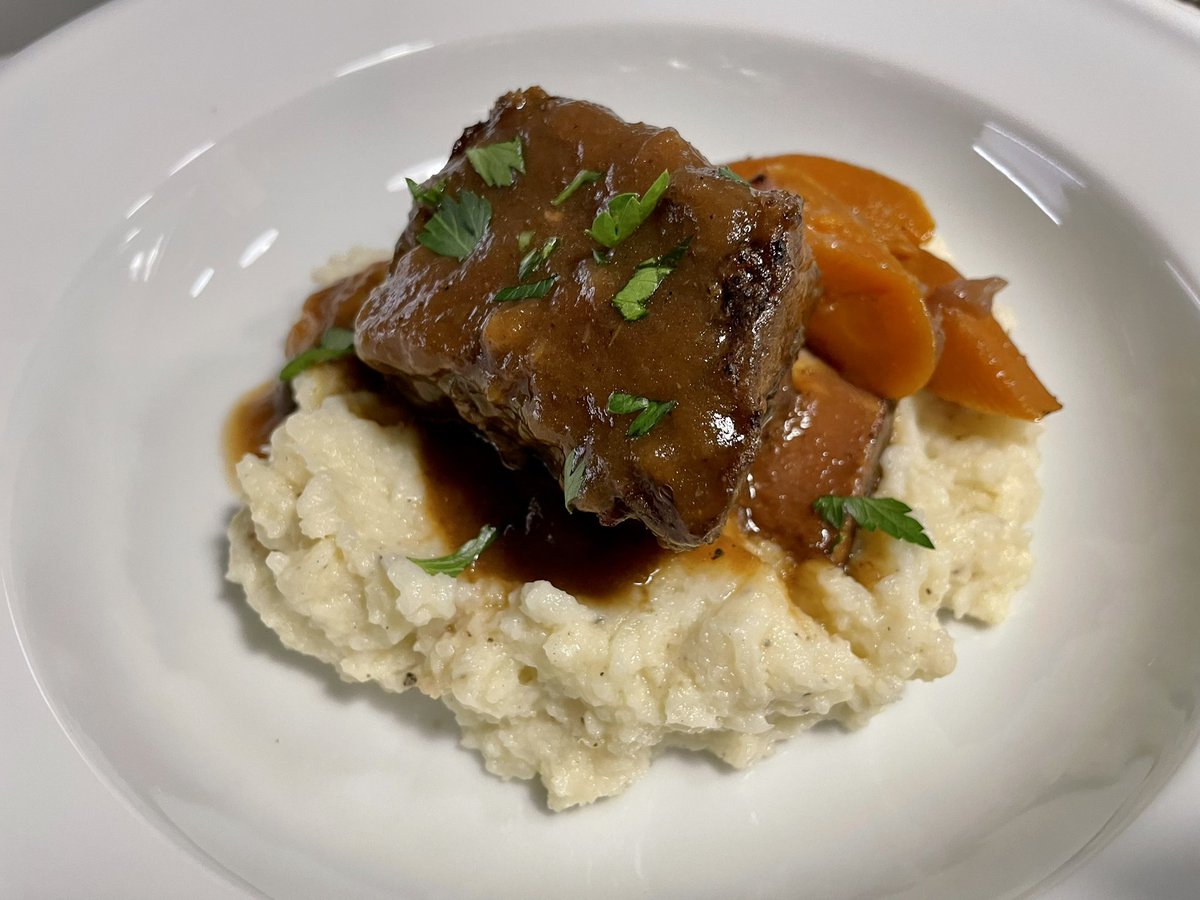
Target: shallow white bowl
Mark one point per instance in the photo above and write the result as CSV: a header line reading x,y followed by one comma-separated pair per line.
x,y
1055,730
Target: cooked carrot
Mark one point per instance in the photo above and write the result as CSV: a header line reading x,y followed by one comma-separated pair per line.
x,y
872,324
895,213
896,317
929,269
980,367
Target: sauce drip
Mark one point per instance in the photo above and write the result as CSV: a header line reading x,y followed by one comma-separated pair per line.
x,y
260,410
468,486
248,427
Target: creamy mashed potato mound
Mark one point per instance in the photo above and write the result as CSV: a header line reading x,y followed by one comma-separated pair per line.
x,y
729,657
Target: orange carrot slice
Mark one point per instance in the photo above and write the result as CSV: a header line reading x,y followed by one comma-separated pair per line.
x,y
894,213
872,324
980,367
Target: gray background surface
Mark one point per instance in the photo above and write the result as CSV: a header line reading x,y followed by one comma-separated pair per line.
x,y
24,21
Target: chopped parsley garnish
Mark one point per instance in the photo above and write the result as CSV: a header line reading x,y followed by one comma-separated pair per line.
x,y
625,212
529,291
874,514
463,558
649,412
336,343
457,226
530,263
574,471
524,239
632,301
535,259
730,175
496,163
585,176
430,196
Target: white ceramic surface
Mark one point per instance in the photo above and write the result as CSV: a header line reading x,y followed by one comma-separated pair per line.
x,y
182,195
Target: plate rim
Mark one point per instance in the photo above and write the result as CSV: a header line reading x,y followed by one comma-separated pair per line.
x,y
45,54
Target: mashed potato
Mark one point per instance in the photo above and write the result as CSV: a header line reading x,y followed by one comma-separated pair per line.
x,y
729,657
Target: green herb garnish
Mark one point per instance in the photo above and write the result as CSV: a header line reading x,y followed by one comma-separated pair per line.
x,y
430,196
457,226
574,471
585,176
529,291
874,514
632,300
625,212
496,163
602,257
336,343
463,558
524,239
535,259
730,175
650,412
530,263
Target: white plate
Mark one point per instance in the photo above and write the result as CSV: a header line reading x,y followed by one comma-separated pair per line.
x,y
165,211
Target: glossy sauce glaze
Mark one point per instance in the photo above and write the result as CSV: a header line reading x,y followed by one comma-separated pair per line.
x,y
467,486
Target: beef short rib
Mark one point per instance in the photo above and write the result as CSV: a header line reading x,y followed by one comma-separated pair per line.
x,y
535,375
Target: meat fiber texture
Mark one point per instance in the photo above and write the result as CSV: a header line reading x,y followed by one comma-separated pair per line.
x,y
535,375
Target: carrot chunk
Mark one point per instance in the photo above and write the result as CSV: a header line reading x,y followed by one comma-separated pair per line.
x,y
895,317
894,213
872,325
980,367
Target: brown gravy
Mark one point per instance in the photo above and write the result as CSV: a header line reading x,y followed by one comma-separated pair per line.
x,y
467,487
248,427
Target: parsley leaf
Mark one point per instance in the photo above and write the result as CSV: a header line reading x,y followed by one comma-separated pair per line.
x,y
874,514
457,226
529,291
602,257
650,412
535,259
625,212
585,176
574,473
463,558
430,196
632,300
496,163
729,175
524,239
336,343
619,402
